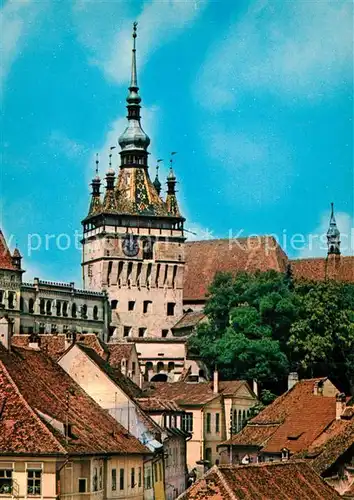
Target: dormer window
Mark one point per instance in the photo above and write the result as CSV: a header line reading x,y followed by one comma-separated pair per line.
x,y
284,454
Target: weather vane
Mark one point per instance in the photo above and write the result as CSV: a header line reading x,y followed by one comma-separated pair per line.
x,y
97,163
110,155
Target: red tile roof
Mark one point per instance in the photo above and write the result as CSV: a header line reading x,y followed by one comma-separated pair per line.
x,y
189,320
339,268
336,440
188,393
293,421
119,351
5,255
266,481
50,391
157,405
205,258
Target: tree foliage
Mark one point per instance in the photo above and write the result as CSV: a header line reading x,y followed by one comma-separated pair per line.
x,y
263,325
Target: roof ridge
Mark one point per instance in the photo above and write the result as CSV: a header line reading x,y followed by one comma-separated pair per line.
x,y
29,407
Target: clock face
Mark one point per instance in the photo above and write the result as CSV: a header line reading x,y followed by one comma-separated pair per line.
x,y
130,246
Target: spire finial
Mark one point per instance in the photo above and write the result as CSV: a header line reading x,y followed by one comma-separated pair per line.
x,y
157,182
97,163
333,235
134,79
110,156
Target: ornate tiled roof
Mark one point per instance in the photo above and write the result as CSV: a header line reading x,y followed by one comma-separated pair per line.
x,y
57,398
268,481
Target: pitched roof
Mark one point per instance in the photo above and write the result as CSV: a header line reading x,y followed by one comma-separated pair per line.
x,y
266,481
293,421
118,351
57,399
340,268
336,440
205,258
188,393
5,255
189,320
157,404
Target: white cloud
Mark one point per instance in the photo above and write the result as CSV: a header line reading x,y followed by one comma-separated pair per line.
x,y
110,43
16,20
196,232
290,49
316,241
59,141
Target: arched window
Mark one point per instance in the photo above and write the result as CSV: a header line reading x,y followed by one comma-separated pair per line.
x,y
31,306
171,366
84,311
160,367
11,298
74,310
42,306
148,366
49,307
22,304
65,308
95,312
58,307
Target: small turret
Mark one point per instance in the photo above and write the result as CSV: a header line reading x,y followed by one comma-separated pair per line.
x,y
96,204
109,202
157,182
333,235
171,199
16,258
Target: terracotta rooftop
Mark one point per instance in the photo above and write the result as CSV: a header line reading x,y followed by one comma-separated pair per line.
x,y
339,268
188,393
119,351
189,320
5,255
265,481
205,258
334,441
56,399
293,421
156,405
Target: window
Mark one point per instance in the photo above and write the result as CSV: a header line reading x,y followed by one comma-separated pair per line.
x,y
148,253
22,304
170,366
34,480
139,478
164,333
171,308
121,479
82,485
5,481
147,306
217,422
95,312
114,304
84,311
208,422
126,331
131,305
65,309
147,478
132,478
73,310
101,478
160,367
53,328
208,455
133,368
31,306
11,300
58,307
95,480
187,422
114,479
42,306
41,328
142,332
48,307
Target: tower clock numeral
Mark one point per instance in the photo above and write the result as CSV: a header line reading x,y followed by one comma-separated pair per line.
x,y
130,246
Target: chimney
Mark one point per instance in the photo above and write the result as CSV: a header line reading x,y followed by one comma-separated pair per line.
x,y
340,405
255,387
216,381
293,379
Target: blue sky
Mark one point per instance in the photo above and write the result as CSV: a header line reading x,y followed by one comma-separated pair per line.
x,y
256,97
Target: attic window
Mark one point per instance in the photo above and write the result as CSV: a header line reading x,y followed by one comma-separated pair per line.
x,y
68,431
294,437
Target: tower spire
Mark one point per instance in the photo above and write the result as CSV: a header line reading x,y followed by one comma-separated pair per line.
x,y
333,235
95,205
134,79
171,199
157,182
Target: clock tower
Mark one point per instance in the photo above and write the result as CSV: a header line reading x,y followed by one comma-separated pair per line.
x,y
133,239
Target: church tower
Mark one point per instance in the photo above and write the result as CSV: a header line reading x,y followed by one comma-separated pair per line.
x,y
333,235
133,239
